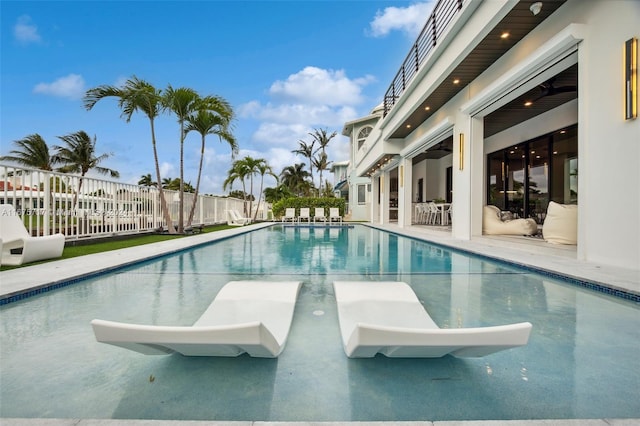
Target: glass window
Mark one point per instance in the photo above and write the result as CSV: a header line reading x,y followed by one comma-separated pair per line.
x,y
538,179
361,194
496,180
362,135
515,179
564,179
525,177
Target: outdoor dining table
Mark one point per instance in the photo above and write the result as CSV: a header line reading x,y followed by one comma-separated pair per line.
x,y
442,212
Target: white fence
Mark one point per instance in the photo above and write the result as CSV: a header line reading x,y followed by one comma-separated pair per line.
x,y
51,202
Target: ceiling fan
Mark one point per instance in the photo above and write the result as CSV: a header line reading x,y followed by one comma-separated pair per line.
x,y
548,89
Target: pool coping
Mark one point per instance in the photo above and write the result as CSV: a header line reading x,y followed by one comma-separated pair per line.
x,y
46,276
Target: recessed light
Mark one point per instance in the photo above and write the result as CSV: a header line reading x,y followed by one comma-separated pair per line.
x,y
456,81
408,126
505,35
528,103
428,108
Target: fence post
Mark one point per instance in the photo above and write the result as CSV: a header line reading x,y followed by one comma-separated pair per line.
x,y
48,204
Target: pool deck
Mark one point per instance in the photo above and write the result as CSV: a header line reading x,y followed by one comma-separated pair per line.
x,y
522,251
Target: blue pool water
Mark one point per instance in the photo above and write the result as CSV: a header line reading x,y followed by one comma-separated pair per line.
x,y
581,361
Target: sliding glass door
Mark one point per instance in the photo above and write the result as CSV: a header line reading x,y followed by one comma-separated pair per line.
x,y
525,177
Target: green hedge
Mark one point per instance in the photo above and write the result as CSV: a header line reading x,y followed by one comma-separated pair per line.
x,y
297,202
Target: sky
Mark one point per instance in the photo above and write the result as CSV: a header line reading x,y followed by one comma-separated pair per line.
x,y
286,67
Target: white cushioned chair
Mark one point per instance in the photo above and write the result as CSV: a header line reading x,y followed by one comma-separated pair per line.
x,y
561,224
492,224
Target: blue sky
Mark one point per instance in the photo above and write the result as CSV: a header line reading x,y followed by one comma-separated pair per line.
x,y
286,67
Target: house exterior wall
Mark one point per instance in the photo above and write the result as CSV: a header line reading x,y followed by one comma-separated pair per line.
x,y
608,145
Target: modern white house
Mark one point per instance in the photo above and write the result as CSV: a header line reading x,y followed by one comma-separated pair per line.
x,y
513,104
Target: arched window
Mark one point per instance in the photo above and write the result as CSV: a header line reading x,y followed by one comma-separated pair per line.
x,y
362,135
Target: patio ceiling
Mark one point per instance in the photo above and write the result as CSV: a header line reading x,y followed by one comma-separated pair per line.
x,y
517,23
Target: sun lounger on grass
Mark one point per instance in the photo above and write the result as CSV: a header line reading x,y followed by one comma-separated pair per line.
x,y
246,316
234,219
19,247
388,318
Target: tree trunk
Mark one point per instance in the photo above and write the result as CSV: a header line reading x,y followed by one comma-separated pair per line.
x,y
195,199
163,203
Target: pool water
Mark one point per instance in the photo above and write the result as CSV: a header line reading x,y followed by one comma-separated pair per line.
x,y
581,361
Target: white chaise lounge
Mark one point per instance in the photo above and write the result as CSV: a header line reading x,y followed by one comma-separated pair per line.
x,y
235,219
19,247
246,316
334,215
319,215
387,318
289,215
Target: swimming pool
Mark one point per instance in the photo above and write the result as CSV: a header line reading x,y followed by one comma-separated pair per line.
x,y
581,360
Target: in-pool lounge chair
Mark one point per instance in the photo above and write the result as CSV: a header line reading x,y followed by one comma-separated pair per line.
x,y
246,316
387,318
19,247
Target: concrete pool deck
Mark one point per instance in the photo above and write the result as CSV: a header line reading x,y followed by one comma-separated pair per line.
x,y
534,254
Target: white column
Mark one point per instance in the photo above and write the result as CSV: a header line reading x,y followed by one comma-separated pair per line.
x,y
405,191
384,198
375,206
468,176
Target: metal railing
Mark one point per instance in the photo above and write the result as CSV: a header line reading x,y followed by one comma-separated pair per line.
x,y
51,202
442,15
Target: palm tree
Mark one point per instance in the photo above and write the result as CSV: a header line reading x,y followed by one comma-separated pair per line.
x,y
263,169
272,195
322,137
252,166
238,171
31,151
306,150
136,95
206,123
321,162
295,178
182,102
147,180
78,155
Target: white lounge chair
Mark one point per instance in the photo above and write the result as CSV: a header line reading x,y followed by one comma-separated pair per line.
x,y
246,316
304,215
234,219
388,318
334,215
319,215
289,215
19,247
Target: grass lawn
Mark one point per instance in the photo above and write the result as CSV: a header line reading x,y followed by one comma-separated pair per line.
x,y
74,249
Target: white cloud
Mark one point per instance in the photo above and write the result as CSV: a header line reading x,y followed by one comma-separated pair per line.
x,y
318,86
166,170
302,114
410,19
71,86
25,31
312,98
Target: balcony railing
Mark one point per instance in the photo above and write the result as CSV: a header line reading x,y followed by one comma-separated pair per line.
x,y
443,13
52,202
